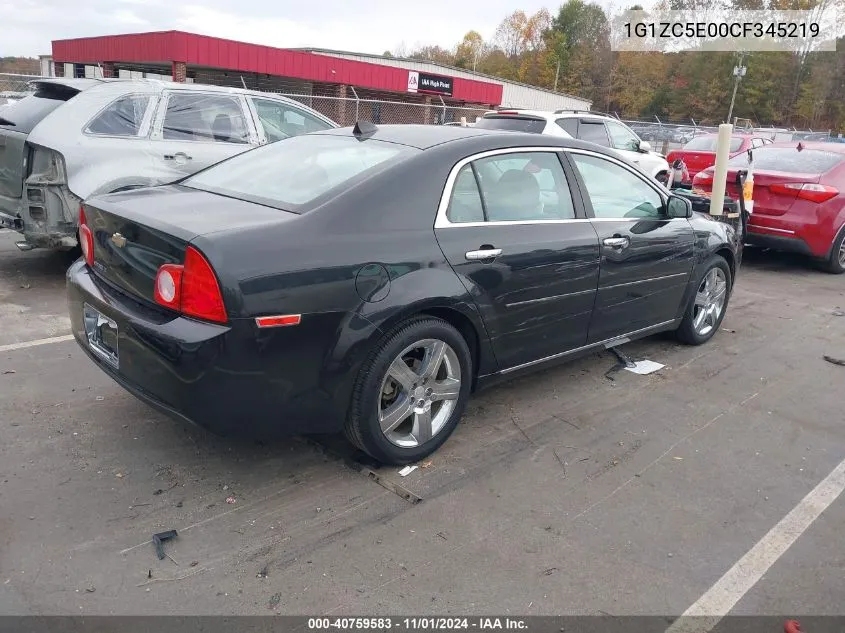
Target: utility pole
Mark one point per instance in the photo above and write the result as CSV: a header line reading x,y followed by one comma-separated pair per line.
x,y
739,73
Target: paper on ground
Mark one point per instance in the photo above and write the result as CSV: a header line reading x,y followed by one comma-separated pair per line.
x,y
407,470
645,367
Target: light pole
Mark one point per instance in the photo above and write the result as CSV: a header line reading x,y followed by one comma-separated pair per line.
x,y
739,73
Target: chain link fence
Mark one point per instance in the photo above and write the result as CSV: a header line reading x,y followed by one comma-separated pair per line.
x,y
14,87
666,136
346,104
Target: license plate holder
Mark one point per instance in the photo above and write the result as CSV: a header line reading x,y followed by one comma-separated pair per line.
x,y
102,335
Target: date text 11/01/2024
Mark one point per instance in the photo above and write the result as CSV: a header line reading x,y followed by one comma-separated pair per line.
x,y
416,624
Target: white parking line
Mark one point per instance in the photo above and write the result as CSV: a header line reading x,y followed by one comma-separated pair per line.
x,y
717,602
41,341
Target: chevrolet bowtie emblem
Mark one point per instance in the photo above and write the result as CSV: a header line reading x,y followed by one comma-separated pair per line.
x,y
118,240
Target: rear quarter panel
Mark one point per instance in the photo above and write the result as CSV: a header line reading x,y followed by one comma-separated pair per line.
x,y
358,265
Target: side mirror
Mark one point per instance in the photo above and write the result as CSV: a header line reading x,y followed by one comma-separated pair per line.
x,y
645,147
678,207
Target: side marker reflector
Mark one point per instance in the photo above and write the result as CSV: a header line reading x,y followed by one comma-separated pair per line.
x,y
280,320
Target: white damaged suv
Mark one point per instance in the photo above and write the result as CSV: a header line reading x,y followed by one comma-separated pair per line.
x,y
584,125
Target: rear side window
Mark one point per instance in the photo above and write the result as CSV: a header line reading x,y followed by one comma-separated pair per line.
x,y
291,174
790,160
24,115
570,126
513,123
517,187
594,133
280,120
122,117
204,117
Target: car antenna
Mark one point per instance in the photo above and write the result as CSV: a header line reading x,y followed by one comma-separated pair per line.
x,y
364,128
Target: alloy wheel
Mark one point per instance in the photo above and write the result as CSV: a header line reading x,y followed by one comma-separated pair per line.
x,y
419,392
710,301
842,254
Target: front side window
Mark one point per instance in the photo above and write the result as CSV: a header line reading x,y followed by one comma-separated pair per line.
x,y
281,120
616,192
593,133
291,174
123,117
204,117
622,138
524,186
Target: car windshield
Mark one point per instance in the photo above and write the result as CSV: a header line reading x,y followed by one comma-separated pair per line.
x,y
291,174
518,124
708,144
790,160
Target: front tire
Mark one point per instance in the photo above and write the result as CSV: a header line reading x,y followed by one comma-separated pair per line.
x,y
411,392
708,305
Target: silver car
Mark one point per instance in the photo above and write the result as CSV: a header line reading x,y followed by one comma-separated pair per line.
x,y
74,138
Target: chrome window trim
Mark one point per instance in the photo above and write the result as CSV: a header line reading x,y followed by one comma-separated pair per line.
x,y
442,222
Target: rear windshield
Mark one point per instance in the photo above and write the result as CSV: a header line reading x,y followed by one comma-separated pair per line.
x,y
24,115
790,160
708,144
292,173
515,123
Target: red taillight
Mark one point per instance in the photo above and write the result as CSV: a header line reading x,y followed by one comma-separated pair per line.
x,y
86,238
191,288
811,191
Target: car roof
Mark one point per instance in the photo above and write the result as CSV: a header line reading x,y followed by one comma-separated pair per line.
x,y
551,114
424,137
86,83
836,148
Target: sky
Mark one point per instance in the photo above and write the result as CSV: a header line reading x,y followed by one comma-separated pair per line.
x,y
371,26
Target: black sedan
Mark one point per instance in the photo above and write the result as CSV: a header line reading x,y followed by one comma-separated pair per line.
x,y
367,279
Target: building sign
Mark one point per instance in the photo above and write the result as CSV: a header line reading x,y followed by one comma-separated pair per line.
x,y
431,84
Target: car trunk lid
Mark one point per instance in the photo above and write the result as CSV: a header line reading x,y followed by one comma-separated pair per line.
x,y
17,120
136,232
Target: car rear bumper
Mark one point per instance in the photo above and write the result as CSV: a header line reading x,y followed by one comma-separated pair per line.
x,y
213,376
779,233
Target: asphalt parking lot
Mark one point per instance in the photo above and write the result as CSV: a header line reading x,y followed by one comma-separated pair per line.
x,y
568,492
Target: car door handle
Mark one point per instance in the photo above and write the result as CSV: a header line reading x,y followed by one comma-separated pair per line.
x,y
175,156
484,253
616,242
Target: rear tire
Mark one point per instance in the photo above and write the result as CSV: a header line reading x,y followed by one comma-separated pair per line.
x,y
410,392
835,263
708,305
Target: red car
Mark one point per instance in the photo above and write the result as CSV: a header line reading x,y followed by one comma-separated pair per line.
x,y
700,152
799,199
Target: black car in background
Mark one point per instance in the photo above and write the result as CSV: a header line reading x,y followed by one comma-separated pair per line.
x,y
367,280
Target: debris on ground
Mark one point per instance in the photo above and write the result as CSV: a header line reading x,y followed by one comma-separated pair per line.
x,y
724,329
274,601
90,589
10,371
119,475
835,361
645,367
550,571
407,470
194,563
443,536
230,500
99,398
160,538
838,312
427,464
262,572
158,492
